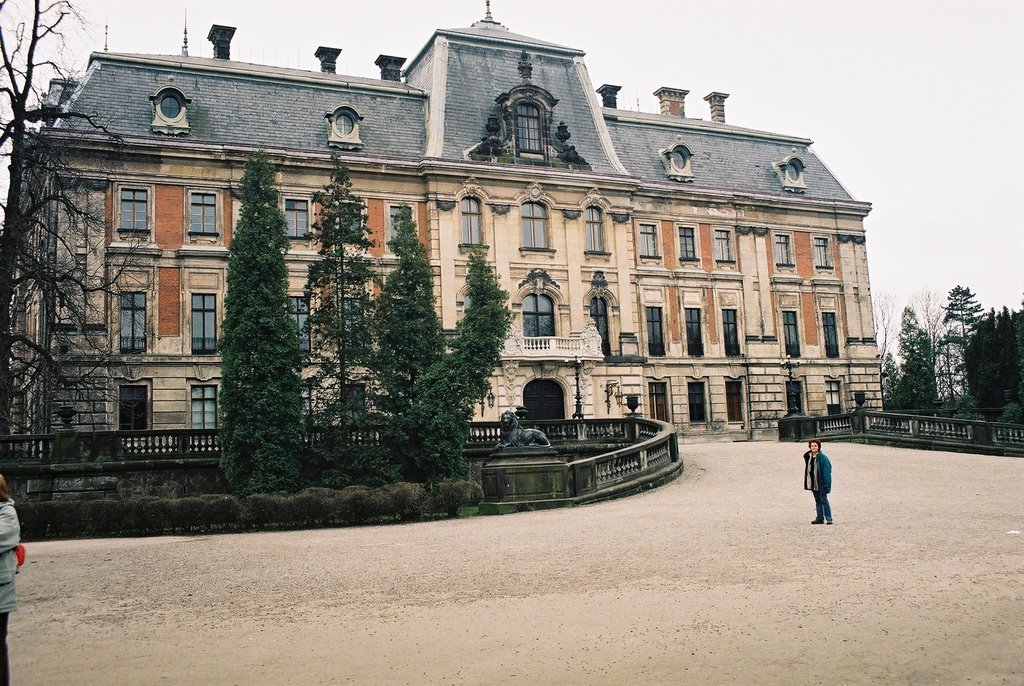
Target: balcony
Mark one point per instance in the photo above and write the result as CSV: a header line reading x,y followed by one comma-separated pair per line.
x,y
582,346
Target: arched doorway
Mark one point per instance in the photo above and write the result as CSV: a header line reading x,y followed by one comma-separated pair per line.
x,y
543,399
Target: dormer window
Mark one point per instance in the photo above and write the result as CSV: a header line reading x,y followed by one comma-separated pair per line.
x,y
343,128
170,112
677,162
791,173
529,137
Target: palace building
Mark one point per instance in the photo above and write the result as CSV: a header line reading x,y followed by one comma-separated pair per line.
x,y
679,259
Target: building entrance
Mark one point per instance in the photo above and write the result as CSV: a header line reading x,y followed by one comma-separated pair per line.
x,y
543,399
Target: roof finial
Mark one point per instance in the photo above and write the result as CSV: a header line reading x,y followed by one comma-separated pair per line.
x,y
488,17
184,44
106,31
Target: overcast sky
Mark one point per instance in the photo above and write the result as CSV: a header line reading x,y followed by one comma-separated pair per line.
x,y
917,107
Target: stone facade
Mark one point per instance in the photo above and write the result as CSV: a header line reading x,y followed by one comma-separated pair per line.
x,y
663,256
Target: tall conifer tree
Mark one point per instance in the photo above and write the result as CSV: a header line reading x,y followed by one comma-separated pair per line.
x,y
408,340
451,387
915,384
260,403
338,289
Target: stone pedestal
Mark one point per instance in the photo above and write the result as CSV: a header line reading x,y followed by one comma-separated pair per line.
x,y
513,477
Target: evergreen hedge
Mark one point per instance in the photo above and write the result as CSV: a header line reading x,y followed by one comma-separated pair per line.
x,y
307,509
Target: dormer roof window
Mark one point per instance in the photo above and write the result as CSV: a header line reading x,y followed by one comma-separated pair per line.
x,y
791,174
677,162
170,112
343,128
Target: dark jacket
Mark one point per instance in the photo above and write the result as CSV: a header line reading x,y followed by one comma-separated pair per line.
x,y
817,473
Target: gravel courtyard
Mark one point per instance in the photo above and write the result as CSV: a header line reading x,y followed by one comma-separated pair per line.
x,y
716,578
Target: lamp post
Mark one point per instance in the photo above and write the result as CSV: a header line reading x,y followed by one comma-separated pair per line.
x,y
789,365
578,414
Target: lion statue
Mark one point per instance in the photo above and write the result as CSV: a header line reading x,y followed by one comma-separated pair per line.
x,y
515,436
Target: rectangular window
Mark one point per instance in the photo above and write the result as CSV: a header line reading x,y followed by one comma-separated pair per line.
x,y
134,211
594,230
133,322
783,254
133,409
204,214
833,398
393,211
655,335
792,334
298,309
535,225
694,339
822,254
723,246
687,244
355,400
734,400
471,221
695,396
828,324
731,334
296,213
648,240
657,397
204,407
204,324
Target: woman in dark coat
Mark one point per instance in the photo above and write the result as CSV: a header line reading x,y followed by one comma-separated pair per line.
x,y
10,537
818,480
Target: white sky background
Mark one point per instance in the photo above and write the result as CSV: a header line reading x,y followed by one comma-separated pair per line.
x,y
917,107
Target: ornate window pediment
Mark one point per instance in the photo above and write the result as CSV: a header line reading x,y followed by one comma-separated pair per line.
x,y
170,111
343,128
791,174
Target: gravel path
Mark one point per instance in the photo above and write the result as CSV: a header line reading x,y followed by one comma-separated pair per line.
x,y
716,578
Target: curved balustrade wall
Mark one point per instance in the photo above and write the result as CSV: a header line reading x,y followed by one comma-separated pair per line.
x,y
912,431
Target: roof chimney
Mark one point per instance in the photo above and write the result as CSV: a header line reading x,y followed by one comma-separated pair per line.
x,y
220,36
717,102
390,67
328,58
672,101
609,95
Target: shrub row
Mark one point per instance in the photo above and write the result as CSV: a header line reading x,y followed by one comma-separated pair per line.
x,y
311,508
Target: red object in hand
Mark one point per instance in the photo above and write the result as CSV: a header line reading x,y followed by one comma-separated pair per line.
x,y
19,554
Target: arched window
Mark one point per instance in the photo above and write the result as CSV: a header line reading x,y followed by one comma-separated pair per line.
x,y
538,316
535,225
528,128
595,230
471,221
599,313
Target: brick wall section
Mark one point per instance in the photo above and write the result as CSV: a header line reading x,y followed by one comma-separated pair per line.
x,y
712,316
169,299
672,316
375,219
770,253
228,217
810,322
170,216
420,213
108,214
802,248
668,244
707,253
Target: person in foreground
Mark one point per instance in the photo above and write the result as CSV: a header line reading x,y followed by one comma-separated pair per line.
x,y
818,480
10,537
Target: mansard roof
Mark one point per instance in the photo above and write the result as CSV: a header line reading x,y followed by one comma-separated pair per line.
x,y
252,105
724,157
439,112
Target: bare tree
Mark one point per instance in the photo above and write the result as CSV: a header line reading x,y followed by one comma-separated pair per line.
x,y
54,278
928,306
887,322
